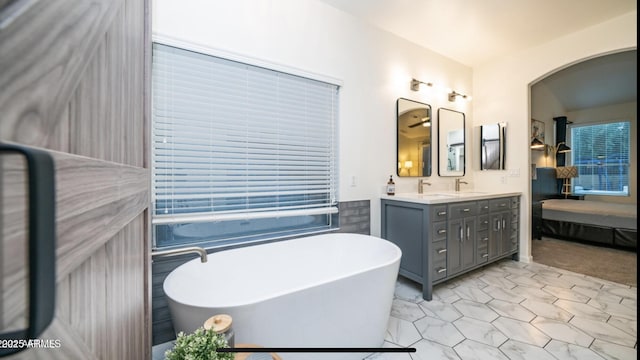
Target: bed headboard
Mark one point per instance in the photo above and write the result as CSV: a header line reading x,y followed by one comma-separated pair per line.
x,y
545,185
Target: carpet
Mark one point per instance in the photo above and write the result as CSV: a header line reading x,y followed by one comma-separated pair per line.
x,y
615,265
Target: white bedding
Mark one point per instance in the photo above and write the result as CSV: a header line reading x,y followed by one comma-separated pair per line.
x,y
598,213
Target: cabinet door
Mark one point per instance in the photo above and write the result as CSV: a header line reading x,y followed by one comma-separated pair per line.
x,y
505,244
495,235
468,248
461,245
454,246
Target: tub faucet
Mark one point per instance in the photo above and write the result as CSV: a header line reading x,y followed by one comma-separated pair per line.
x,y
421,183
458,182
186,250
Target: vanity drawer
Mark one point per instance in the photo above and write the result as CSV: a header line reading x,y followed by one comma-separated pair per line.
x,y
439,251
483,207
483,222
514,215
500,204
439,231
439,269
461,210
483,255
439,213
483,238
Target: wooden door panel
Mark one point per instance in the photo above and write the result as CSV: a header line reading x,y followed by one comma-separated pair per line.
x,y
74,82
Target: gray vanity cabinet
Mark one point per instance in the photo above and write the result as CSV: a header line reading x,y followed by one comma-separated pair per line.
x,y
503,236
406,225
461,244
441,241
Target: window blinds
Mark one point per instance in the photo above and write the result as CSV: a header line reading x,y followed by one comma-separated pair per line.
x,y
601,154
235,141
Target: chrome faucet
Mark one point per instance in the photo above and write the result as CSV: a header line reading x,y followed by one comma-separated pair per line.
x,y
458,182
186,250
421,183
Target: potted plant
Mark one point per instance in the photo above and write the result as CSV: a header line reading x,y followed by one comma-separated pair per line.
x,y
200,345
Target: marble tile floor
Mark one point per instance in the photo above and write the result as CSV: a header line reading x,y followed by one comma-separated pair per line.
x,y
514,310
511,310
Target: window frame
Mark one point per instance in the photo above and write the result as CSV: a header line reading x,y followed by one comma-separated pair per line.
x,y
231,243
571,160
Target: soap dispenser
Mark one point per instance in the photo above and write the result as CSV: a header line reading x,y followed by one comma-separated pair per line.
x,y
391,186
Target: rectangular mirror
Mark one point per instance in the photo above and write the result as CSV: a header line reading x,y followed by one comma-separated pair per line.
x,y
414,138
492,149
451,143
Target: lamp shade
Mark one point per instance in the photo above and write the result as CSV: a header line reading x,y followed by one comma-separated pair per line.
x,y
562,148
566,172
408,164
537,144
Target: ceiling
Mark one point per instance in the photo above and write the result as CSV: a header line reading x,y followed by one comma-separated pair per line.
x,y
474,32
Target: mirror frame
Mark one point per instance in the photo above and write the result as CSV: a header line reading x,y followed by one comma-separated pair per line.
x,y
426,161
442,150
500,133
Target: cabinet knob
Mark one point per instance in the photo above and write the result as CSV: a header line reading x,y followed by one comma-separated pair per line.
x,y
442,251
441,270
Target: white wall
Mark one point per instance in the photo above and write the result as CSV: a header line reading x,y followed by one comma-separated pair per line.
x,y
375,69
501,91
544,107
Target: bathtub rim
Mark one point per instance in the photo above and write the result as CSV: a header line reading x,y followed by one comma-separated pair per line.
x,y
395,259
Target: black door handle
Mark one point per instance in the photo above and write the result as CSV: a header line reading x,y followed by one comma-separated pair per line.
x,y
42,244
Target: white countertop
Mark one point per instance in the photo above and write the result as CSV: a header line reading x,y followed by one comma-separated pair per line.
x,y
443,197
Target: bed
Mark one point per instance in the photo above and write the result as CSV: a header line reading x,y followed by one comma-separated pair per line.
x,y
599,222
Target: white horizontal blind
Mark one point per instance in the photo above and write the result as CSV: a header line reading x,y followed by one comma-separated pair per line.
x,y
601,154
234,141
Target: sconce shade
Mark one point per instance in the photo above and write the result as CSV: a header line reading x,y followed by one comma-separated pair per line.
x,y
408,164
537,144
566,172
562,148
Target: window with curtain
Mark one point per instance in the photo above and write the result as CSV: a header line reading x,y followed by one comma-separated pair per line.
x,y
601,154
240,153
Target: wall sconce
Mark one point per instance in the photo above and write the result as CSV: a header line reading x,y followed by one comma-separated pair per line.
x,y
453,94
415,84
538,145
561,148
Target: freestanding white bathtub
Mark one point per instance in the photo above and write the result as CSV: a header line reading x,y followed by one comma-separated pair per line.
x,y
332,290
